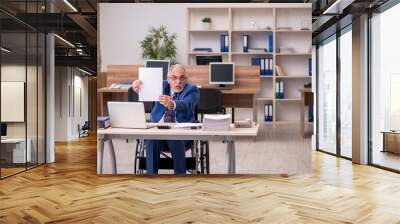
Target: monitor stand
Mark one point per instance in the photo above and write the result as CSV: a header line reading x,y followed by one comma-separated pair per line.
x,y
224,87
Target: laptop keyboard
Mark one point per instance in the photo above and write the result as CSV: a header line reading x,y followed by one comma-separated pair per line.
x,y
152,125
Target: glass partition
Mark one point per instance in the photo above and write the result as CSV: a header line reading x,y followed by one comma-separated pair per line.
x,y
22,78
41,96
31,97
346,93
327,96
13,86
385,89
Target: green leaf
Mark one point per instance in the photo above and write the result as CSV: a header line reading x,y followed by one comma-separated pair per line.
x,y
159,44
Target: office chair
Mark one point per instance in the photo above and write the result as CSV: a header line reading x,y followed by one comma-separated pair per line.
x,y
210,103
83,130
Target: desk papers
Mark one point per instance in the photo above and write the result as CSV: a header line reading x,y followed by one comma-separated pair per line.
x,y
152,80
216,122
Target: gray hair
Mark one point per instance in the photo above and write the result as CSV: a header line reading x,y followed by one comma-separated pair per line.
x,y
179,66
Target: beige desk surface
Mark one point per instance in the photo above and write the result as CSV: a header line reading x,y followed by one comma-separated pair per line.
x,y
13,140
111,90
233,132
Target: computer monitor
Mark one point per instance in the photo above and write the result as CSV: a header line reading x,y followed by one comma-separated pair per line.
x,y
222,73
207,59
164,64
3,129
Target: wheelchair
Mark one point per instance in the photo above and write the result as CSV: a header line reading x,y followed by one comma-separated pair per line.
x,y
83,130
197,163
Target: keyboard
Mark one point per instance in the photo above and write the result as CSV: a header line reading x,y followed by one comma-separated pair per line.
x,y
152,125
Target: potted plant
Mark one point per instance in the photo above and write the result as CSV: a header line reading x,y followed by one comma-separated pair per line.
x,y
206,23
159,45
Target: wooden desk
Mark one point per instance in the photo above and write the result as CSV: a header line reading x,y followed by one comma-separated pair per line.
x,y
228,137
391,141
307,99
242,95
107,94
13,150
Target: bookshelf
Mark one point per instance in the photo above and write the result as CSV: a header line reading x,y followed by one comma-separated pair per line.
x,y
290,27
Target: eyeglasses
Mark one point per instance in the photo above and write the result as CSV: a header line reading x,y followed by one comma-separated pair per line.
x,y
181,78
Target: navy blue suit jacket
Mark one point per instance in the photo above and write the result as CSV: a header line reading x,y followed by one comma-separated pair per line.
x,y
185,102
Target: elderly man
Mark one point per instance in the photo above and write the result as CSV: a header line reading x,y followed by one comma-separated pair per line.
x,y
177,104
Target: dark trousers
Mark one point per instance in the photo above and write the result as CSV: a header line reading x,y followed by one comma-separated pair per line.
x,y
177,149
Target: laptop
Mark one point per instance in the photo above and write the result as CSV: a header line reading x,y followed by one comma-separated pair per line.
x,y
127,115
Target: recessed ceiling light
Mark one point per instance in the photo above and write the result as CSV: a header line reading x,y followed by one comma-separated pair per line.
x,y
338,6
5,50
70,5
86,72
64,40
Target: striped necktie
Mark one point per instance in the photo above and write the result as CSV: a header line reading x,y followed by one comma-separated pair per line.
x,y
169,116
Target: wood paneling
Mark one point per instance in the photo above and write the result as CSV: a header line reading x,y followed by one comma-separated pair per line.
x,y
242,94
92,99
122,73
247,78
101,83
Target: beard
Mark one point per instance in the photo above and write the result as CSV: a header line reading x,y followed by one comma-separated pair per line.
x,y
178,88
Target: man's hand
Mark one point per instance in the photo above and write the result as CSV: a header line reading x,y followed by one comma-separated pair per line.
x,y
166,101
136,85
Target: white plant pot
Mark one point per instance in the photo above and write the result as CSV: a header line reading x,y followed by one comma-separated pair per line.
x,y
207,26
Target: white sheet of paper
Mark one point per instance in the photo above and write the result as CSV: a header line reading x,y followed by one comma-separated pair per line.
x,y
152,80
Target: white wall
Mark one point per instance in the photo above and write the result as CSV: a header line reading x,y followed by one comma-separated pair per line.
x,y
17,73
123,25
33,126
68,83
61,103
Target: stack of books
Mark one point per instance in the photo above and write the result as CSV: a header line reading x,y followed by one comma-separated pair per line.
x,y
103,122
216,122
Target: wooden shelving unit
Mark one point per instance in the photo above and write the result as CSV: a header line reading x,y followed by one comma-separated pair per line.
x,y
259,22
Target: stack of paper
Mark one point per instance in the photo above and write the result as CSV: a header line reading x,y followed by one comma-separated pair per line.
x,y
216,122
